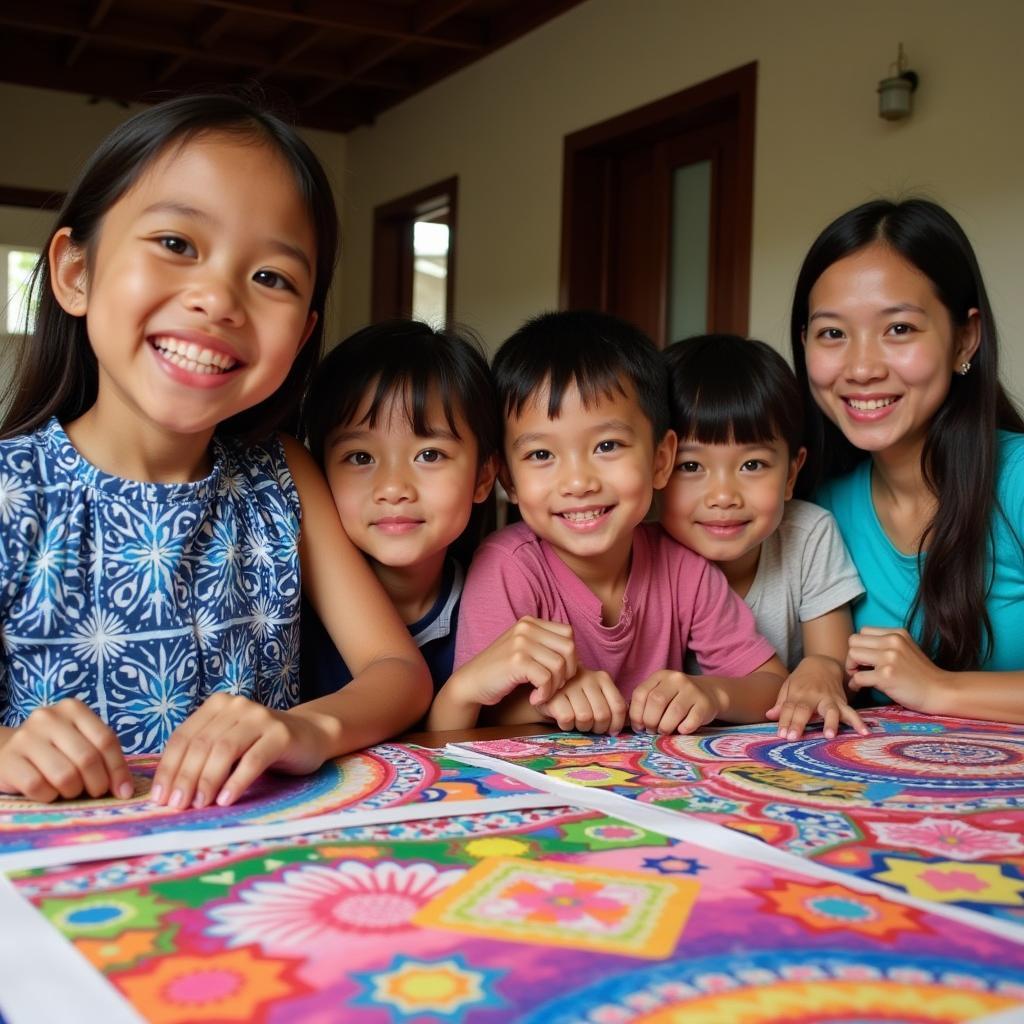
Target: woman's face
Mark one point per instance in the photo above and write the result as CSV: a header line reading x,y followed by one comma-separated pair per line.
x,y
881,349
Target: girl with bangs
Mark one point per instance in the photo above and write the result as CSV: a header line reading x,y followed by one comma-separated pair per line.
x,y
403,420
737,411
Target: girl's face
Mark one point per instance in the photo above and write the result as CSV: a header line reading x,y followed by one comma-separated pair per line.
x,y
197,290
723,500
881,349
404,498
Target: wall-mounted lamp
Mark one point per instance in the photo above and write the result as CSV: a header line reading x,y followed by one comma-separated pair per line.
x,y
894,92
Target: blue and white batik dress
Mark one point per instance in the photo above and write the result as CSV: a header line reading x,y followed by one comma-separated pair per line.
x,y
142,599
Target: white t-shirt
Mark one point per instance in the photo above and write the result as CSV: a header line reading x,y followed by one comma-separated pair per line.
x,y
804,572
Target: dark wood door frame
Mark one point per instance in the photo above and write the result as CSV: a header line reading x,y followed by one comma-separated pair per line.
x,y
31,198
588,185
392,268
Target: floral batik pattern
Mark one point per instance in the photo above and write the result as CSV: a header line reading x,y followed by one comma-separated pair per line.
x,y
142,599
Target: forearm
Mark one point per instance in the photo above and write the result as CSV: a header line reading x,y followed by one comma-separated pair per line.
x,y
745,698
454,706
989,696
387,697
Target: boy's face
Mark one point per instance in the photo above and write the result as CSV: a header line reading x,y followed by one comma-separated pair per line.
x,y
585,480
403,498
723,500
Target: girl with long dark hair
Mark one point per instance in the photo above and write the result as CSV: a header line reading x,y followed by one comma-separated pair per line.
x,y
918,451
150,545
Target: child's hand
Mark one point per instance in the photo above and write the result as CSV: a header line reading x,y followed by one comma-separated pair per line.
x,y
891,661
589,702
814,689
533,651
671,702
63,750
221,749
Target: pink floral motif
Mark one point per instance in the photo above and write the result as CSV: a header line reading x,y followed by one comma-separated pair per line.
x,y
315,901
949,838
951,881
564,902
506,748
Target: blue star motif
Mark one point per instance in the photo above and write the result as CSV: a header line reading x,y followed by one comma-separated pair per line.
x,y
671,865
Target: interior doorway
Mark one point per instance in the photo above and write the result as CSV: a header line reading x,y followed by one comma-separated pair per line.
x,y
657,211
414,255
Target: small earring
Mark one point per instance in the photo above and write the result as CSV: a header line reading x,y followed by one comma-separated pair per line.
x,y
964,367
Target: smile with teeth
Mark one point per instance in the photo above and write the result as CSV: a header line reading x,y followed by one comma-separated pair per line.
x,y
585,515
192,357
868,404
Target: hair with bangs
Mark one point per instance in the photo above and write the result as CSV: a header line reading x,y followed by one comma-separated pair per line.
x,y
598,353
724,389
57,373
406,363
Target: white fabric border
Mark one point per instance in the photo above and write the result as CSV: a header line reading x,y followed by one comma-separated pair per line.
x,y
168,842
44,979
680,825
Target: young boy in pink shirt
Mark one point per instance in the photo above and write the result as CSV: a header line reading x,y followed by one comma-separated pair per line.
x,y
590,606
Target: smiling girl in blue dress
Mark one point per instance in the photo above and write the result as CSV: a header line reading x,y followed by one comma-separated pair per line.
x,y
151,554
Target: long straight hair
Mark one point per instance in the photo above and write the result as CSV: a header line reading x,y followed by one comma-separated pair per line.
x,y
958,460
57,373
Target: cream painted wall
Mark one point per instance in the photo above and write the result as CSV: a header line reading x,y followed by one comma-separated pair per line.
x,y
821,148
48,135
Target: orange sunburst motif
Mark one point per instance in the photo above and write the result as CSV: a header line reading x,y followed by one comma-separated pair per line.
x,y
830,907
189,989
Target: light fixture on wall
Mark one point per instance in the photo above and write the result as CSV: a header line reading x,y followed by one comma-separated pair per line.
x,y
894,92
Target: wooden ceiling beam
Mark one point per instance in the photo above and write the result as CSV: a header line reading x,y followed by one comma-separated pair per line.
x,y
297,41
100,11
427,15
131,81
526,15
215,27
366,18
335,70
152,42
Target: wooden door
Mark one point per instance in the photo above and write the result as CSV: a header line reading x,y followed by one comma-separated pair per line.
x,y
621,200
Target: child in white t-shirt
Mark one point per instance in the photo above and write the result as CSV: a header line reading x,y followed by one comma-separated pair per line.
x,y
737,411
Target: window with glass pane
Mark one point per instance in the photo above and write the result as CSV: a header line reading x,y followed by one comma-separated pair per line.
x,y
16,267
430,272
691,240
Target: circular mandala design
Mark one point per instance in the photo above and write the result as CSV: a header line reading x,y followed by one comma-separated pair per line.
x,y
335,786
981,763
947,753
979,771
808,986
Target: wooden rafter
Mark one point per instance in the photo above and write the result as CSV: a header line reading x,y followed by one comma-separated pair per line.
x,y
337,63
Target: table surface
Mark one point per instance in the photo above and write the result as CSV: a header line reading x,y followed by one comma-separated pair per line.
x,y
265,889
487,732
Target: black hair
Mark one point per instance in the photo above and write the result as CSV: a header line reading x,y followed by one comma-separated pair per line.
x,y
724,389
595,351
407,361
959,456
57,372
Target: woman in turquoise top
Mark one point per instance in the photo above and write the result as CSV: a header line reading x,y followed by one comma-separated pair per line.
x,y
917,450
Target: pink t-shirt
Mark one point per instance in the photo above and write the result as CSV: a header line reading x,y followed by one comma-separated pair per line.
x,y
675,601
